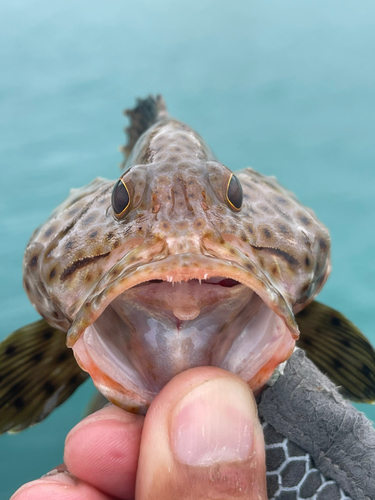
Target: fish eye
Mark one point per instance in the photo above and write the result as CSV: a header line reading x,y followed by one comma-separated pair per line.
x,y
234,193
120,198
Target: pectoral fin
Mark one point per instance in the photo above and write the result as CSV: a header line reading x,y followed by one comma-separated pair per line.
x,y
37,373
339,350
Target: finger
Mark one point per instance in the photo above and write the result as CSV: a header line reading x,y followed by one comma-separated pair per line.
x,y
103,450
59,485
202,439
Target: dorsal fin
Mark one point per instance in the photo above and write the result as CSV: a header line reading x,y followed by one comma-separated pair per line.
x,y
145,114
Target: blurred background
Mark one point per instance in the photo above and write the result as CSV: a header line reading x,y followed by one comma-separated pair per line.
x,y
287,87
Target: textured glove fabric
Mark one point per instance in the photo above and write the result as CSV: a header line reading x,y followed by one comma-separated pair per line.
x,y
318,445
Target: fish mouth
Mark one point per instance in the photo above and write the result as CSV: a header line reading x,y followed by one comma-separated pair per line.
x,y
153,321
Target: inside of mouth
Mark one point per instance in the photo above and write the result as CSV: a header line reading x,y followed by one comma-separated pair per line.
x,y
158,328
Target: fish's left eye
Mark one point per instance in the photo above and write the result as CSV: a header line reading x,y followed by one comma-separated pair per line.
x,y
234,193
120,199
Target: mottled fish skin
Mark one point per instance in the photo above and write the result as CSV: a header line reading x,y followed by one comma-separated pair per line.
x,y
179,226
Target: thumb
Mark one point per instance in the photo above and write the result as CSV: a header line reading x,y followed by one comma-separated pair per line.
x,y
202,439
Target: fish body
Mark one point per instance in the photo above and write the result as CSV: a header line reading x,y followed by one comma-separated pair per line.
x,y
178,263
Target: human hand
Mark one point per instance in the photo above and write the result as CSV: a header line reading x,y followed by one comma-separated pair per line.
x,y
200,439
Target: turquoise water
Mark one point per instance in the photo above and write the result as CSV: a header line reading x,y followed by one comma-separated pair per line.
x,y
286,87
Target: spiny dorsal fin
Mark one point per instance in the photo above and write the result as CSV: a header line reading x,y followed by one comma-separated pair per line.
x,y
37,373
339,350
145,114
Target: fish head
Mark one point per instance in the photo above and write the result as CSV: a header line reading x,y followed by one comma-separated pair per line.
x,y
179,263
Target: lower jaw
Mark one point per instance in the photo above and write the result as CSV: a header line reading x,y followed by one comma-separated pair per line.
x,y
130,368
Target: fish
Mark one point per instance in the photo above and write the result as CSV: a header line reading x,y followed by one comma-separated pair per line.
x,y
178,263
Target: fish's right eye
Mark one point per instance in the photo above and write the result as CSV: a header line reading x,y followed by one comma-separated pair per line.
x,y
120,199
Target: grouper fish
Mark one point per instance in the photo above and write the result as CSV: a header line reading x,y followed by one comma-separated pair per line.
x,y
181,263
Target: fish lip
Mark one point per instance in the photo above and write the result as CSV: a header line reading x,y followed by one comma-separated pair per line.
x,y
177,268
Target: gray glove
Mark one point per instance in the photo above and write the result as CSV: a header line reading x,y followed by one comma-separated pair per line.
x,y
318,446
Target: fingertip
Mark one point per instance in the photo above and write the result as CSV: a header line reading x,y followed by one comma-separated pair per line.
x,y
202,436
103,450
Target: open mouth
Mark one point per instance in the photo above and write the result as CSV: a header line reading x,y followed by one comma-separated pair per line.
x,y
144,334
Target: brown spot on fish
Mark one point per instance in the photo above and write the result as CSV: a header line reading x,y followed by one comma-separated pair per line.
x,y
282,200
34,260
19,403
335,321
337,363
265,208
37,358
49,232
305,220
62,356
52,274
49,388
307,261
10,350
307,340
94,234
86,221
266,232
80,264
250,229
47,335
69,245
366,370
74,211
17,387
283,228
323,244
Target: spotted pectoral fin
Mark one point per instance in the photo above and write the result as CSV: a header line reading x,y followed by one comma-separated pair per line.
x,y
145,114
37,373
339,350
